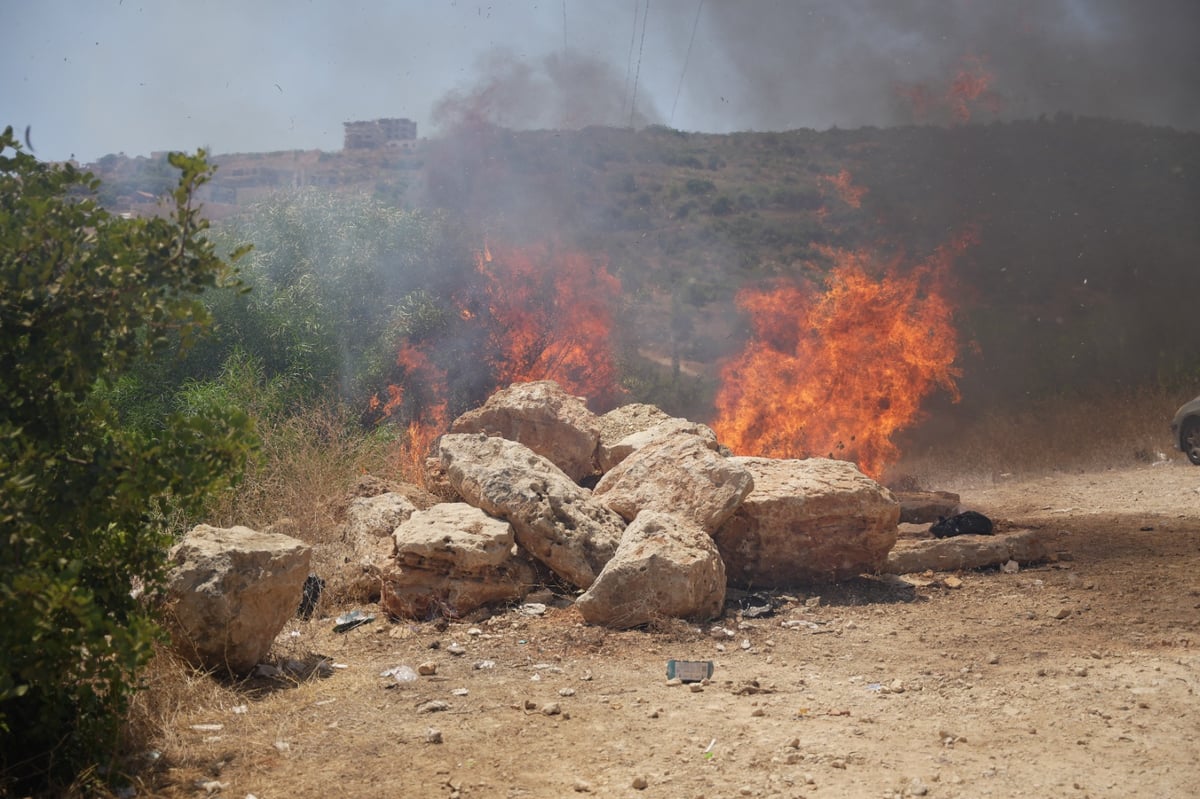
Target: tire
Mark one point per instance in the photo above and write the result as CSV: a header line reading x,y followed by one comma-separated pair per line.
x,y
1189,439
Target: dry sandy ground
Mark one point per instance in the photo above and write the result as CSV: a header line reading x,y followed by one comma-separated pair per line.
x,y
1074,678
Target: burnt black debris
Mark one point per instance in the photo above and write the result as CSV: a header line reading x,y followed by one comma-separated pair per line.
x,y
966,523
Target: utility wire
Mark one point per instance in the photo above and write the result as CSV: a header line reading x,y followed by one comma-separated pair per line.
x,y
629,59
686,58
637,73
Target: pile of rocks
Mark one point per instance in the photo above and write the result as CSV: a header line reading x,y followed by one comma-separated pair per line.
x,y
644,515
670,521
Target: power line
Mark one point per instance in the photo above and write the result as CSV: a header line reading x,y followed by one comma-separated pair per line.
x,y
638,72
629,59
686,58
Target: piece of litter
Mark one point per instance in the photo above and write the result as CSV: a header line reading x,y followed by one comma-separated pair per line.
x,y
401,674
348,621
208,727
240,709
689,670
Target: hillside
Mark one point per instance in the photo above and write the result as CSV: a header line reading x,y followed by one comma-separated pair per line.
x,y
1081,273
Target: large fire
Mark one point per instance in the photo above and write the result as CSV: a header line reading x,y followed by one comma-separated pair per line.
x,y
550,315
537,313
838,373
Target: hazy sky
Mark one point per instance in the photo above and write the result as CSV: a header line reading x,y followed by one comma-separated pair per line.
x,y
99,76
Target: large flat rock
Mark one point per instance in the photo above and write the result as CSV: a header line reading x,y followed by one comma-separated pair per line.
x,y
965,552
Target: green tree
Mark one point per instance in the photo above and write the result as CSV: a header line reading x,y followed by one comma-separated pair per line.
x,y
83,294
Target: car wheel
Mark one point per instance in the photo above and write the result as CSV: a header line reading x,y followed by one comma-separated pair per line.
x,y
1190,439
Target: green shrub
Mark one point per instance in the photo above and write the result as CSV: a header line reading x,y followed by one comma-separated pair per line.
x,y
83,293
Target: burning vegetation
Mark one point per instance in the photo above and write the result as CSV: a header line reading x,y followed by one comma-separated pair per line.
x,y
837,373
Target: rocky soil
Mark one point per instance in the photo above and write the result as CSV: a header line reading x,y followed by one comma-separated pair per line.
x,y
1077,677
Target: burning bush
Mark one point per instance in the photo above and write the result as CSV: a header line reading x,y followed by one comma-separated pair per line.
x,y
838,373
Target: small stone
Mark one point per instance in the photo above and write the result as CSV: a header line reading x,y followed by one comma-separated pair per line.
x,y
283,746
582,786
427,669
566,692
474,632
460,692
794,743
758,713
1061,613
953,582
639,783
484,664
434,706
456,649
1011,567
433,736
674,681
917,788
745,643
896,686
839,763
551,709
695,687
993,659
1080,671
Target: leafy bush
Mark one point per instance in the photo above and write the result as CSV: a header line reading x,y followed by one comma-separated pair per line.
x,y
83,293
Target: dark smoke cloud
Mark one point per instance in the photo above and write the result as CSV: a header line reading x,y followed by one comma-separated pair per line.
x,y
564,91
783,64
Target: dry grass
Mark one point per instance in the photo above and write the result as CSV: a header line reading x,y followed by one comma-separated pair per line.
x,y
308,465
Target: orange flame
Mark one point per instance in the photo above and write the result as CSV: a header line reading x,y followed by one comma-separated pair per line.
x,y
838,374
424,387
842,184
544,314
968,90
550,317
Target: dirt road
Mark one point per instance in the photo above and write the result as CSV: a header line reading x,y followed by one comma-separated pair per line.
x,y
1074,678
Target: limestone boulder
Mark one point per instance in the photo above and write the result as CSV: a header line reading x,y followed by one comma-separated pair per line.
x,y
807,521
666,567
966,552
622,421
451,560
680,474
230,592
553,518
544,418
453,537
370,520
924,507
409,593
612,453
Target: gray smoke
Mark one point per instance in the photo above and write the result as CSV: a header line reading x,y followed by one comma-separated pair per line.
x,y
563,91
787,63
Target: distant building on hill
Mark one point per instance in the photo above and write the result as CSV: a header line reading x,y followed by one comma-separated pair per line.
x,y
377,133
